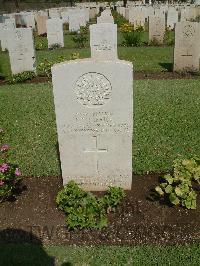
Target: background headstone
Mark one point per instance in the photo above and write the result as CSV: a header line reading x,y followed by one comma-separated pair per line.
x,y
103,41
21,50
157,28
41,24
55,32
74,21
105,17
186,50
172,18
6,28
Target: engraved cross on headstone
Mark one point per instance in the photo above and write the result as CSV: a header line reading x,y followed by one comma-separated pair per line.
x,y
96,150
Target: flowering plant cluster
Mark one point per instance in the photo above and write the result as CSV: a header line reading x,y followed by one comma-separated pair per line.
x,y
10,175
127,27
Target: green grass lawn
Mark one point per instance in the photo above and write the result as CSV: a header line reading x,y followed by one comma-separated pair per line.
x,y
23,255
152,59
166,124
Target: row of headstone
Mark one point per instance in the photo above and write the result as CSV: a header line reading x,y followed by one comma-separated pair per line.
x,y
76,17
138,15
187,39
20,45
94,115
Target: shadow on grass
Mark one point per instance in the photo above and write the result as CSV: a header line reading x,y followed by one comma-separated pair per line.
x,y
167,66
21,248
58,156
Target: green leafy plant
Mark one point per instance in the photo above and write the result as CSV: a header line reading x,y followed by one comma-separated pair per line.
x,y
44,68
197,19
10,175
1,72
40,43
132,39
132,35
80,40
21,77
168,38
74,56
84,30
178,187
39,46
55,46
73,33
85,210
118,19
154,42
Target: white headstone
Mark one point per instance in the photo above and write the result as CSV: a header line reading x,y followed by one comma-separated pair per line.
x,y
103,41
6,28
21,50
172,18
55,32
87,14
94,115
106,17
82,17
92,12
30,20
65,16
74,21
157,28
54,13
186,50
41,23
137,16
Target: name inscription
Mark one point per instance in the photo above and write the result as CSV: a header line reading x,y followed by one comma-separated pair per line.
x,y
97,123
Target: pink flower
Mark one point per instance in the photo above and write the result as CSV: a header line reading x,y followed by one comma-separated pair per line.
x,y
1,182
4,147
17,172
4,167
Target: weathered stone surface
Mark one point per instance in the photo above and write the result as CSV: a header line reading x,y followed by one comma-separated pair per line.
x,y
94,116
172,18
6,28
55,32
103,41
74,21
21,50
65,16
186,51
41,24
157,28
54,13
106,17
92,12
137,16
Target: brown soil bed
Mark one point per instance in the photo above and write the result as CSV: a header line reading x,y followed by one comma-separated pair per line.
x,y
34,80
34,217
137,76
164,75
